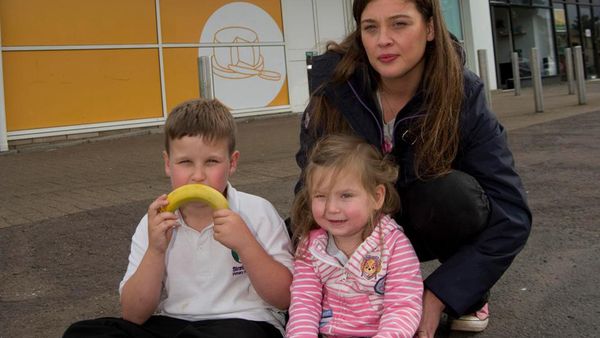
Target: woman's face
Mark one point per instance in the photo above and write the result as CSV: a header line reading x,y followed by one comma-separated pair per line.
x,y
394,35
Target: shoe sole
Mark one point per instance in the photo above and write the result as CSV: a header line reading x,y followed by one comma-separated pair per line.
x,y
469,325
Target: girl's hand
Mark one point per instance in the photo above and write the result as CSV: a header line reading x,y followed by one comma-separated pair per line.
x,y
160,225
231,230
432,311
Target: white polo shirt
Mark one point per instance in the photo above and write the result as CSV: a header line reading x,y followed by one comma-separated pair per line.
x,y
203,280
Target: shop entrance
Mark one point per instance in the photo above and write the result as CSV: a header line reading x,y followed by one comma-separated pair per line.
x,y
586,30
518,29
502,30
578,25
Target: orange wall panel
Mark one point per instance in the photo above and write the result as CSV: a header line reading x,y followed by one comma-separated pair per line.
x,y
64,88
282,98
181,75
182,21
72,22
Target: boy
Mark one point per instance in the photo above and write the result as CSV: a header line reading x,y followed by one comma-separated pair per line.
x,y
181,265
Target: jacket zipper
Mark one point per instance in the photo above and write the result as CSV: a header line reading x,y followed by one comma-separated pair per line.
x,y
380,127
379,122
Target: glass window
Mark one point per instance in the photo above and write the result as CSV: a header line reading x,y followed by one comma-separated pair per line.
x,y
451,12
596,36
521,2
585,15
540,2
532,27
573,26
562,39
502,46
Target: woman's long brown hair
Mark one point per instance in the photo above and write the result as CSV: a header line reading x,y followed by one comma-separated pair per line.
x,y
442,85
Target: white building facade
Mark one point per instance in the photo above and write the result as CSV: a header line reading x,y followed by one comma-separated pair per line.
x,y
309,24
111,65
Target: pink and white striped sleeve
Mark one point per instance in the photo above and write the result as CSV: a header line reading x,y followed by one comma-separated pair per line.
x,y
403,295
305,309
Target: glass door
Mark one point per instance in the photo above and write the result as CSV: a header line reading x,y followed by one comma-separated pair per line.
x,y
596,35
574,26
562,38
587,27
501,28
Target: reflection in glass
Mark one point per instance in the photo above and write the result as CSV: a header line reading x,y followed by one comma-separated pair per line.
x,y
585,15
540,2
596,35
560,31
573,24
503,46
532,27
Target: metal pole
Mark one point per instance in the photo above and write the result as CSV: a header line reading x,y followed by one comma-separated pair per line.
x,y
516,73
569,65
579,75
161,59
536,77
3,135
206,78
349,19
483,73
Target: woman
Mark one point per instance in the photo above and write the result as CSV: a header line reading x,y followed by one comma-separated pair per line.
x,y
399,82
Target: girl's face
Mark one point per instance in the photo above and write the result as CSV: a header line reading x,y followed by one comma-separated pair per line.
x,y
341,205
394,35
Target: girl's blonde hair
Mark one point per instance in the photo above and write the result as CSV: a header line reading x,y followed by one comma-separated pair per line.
x,y
437,134
340,153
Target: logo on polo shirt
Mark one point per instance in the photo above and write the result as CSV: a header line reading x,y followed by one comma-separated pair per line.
x,y
238,270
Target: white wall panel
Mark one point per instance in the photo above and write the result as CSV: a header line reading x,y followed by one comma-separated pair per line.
x,y
478,35
299,35
331,21
308,25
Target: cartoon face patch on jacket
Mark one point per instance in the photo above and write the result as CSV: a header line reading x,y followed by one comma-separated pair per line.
x,y
370,266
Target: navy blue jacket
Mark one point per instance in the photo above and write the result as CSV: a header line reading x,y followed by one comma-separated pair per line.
x,y
483,153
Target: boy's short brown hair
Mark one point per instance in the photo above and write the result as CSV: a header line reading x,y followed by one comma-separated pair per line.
x,y
209,119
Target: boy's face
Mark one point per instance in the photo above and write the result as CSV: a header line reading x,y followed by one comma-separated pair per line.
x,y
194,160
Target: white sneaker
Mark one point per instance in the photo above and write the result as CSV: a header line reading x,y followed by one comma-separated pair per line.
x,y
473,322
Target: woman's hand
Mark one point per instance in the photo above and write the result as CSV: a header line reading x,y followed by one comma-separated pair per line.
x,y
432,311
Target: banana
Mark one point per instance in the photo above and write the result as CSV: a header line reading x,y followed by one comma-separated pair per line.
x,y
195,193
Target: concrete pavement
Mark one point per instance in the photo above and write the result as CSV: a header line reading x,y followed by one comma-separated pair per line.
x,y
53,180
67,214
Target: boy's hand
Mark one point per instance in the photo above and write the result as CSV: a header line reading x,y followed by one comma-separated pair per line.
x,y
160,225
231,230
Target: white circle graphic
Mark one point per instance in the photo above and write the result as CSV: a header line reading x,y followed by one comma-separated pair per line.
x,y
246,73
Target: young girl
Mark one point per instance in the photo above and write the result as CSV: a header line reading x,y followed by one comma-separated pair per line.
x,y
356,273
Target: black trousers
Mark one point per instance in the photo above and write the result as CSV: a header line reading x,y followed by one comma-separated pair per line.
x,y
439,216
167,327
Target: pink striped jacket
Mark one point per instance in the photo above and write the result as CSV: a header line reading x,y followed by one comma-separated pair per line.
x,y
377,293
